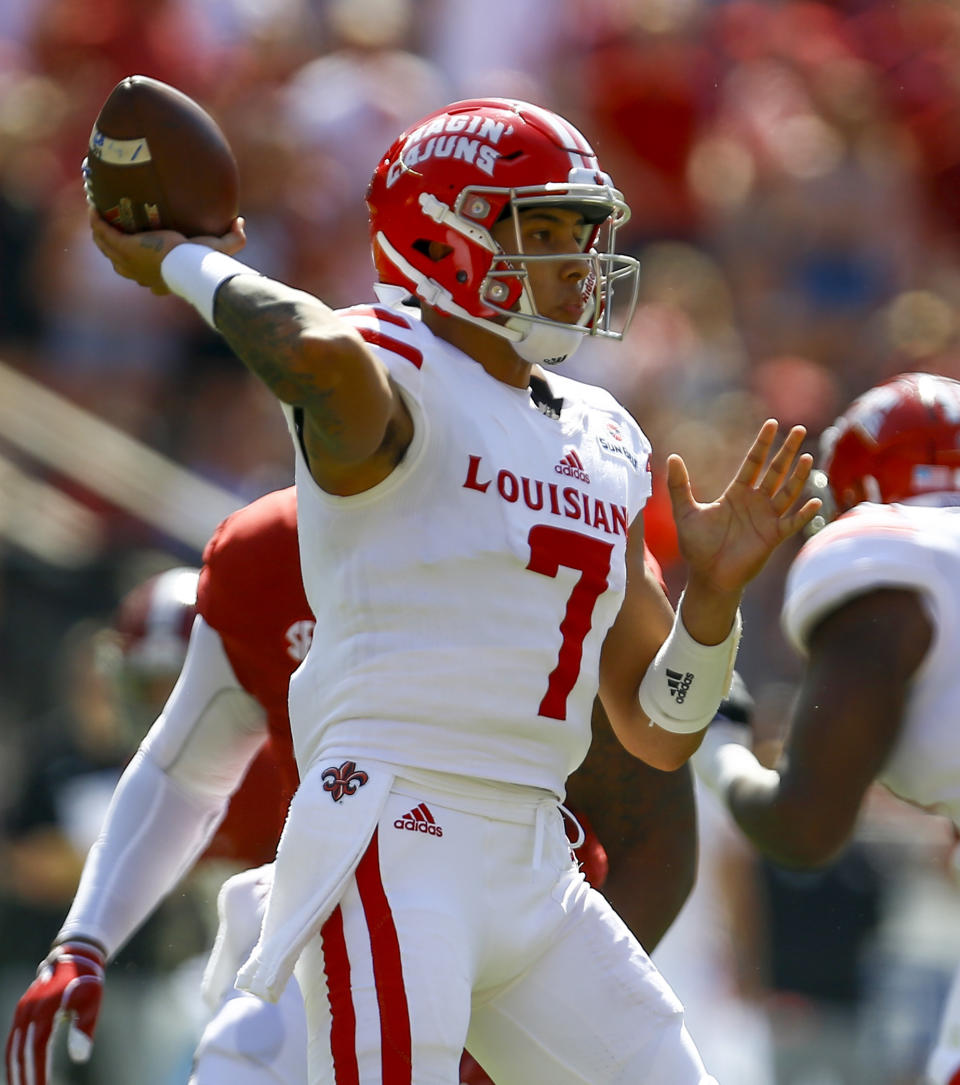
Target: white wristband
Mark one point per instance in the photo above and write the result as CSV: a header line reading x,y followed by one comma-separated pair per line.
x,y
195,273
687,680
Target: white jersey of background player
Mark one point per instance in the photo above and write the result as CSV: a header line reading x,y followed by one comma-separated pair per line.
x,y
873,602
458,577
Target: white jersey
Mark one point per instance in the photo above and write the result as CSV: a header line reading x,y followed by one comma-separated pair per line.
x,y
897,546
462,603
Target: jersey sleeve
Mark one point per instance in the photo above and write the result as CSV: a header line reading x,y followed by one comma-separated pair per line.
x,y
861,552
251,592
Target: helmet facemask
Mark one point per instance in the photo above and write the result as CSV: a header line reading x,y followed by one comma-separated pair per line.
x,y
609,280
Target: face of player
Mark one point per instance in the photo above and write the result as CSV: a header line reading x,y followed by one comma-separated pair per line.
x,y
556,284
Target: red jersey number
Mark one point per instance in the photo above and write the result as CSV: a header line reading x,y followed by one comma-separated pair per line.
x,y
550,549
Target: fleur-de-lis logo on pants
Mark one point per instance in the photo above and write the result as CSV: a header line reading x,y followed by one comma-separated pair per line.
x,y
344,780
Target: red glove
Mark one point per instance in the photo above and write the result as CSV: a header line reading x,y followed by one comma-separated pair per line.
x,y
69,984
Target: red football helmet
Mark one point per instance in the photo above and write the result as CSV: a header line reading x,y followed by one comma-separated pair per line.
x,y
450,177
154,620
900,439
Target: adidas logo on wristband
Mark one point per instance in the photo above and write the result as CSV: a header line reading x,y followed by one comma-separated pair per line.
x,y
678,684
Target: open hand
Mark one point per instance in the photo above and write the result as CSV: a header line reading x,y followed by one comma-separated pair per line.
x,y
139,256
727,542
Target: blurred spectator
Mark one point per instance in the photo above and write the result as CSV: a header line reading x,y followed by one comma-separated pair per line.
x,y
112,680
340,110
821,923
510,51
643,77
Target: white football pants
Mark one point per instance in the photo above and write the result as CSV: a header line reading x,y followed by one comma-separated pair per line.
x,y
467,923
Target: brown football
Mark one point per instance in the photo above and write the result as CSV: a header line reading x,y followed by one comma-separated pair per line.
x,y
158,161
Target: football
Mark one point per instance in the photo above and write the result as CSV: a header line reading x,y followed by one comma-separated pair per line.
x,y
158,161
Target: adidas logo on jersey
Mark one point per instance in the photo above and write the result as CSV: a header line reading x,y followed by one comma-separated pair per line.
x,y
679,684
572,465
419,820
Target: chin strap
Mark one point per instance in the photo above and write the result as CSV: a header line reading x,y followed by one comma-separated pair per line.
x,y
542,344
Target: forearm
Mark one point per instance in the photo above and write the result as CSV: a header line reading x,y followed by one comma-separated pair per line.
x,y
653,866
767,806
171,797
153,833
708,614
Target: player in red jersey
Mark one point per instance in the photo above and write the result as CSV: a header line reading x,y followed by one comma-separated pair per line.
x,y
253,610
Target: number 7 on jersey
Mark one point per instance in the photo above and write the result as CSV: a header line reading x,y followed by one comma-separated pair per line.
x,y
550,549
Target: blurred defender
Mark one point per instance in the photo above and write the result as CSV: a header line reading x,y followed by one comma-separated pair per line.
x,y
873,603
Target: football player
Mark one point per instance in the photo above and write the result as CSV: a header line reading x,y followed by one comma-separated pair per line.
x,y
872,602
471,543
253,630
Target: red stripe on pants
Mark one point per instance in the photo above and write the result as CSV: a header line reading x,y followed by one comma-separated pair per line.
x,y
395,1043
343,1027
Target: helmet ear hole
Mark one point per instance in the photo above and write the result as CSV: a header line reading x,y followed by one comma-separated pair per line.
x,y
432,250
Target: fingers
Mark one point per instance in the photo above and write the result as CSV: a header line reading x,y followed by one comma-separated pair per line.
x,y
798,520
79,1044
82,1004
32,1064
678,483
27,1051
752,472
791,488
780,466
755,458
13,1057
233,241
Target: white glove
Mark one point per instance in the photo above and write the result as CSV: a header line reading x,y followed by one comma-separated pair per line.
x,y
725,755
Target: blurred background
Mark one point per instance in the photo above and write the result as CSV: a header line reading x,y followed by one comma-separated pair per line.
x,y
794,173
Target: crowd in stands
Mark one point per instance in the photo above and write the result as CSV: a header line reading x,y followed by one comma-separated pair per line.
x,y
793,167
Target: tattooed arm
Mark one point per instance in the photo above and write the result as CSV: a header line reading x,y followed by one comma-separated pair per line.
x,y
356,426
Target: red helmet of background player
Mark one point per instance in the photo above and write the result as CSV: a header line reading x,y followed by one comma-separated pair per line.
x,y
153,621
900,439
452,176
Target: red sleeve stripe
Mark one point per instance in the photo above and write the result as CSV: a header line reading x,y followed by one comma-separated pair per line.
x,y
378,339
388,316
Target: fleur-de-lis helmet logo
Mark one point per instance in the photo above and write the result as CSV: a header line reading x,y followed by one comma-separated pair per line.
x,y
343,780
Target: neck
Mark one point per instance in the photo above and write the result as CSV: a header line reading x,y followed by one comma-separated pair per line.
x,y
489,350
